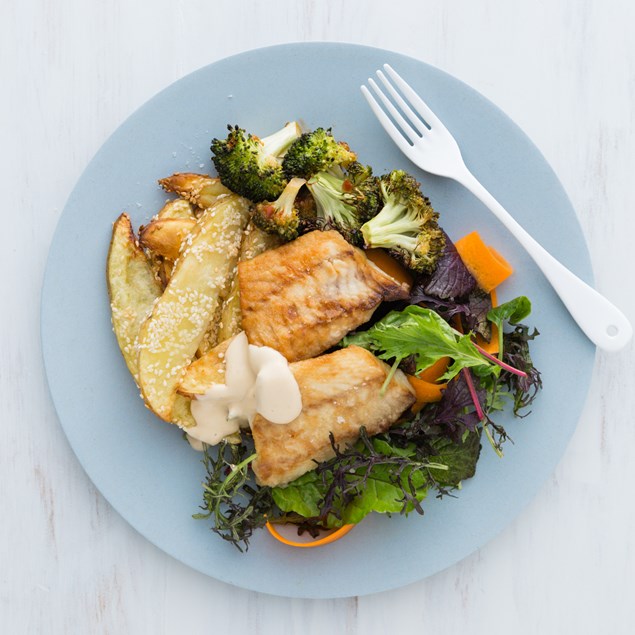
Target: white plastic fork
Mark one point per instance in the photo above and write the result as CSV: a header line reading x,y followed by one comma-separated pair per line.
x,y
429,145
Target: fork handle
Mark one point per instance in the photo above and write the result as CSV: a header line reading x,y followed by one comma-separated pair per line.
x,y
602,322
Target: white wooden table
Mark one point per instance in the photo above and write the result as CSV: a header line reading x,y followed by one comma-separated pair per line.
x,y
71,71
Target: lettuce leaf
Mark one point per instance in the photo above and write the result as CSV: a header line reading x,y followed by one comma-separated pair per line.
x,y
513,312
378,476
426,335
382,495
302,496
305,496
373,476
460,458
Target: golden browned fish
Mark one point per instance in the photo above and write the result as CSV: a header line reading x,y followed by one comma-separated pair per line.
x,y
303,297
340,393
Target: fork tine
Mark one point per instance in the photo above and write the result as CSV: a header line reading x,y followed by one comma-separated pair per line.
x,y
422,108
419,124
407,129
385,121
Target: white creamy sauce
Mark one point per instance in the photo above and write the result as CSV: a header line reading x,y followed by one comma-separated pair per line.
x,y
257,380
195,443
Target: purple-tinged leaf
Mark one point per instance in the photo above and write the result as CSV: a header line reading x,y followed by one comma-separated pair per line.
x,y
478,305
450,279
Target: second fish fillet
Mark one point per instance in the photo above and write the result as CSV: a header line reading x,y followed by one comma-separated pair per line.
x,y
341,392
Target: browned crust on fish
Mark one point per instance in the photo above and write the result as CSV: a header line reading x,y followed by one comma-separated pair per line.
x,y
340,393
303,297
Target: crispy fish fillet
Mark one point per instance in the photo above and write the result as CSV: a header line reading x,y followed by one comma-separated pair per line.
x,y
303,297
340,393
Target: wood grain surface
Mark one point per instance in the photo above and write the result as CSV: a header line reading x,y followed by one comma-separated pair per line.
x,y
71,72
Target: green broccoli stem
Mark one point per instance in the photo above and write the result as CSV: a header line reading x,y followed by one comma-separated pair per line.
x,y
286,200
391,228
280,216
329,198
278,143
391,241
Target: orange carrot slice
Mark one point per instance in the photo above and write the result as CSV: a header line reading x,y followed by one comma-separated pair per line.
x,y
432,373
425,391
382,259
332,537
487,266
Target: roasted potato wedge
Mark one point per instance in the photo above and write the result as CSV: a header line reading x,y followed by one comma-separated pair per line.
x,y
210,339
164,236
171,335
199,189
176,208
208,370
133,289
226,322
181,413
229,323
156,264
254,243
165,271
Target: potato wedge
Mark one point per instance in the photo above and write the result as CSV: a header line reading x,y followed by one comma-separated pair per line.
x,y
156,264
202,373
229,323
165,236
181,413
210,339
170,336
132,287
165,271
199,189
254,243
176,208
226,322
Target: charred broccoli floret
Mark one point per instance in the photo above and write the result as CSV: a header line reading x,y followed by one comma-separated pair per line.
x,y
250,166
334,207
406,224
364,187
345,198
315,152
282,216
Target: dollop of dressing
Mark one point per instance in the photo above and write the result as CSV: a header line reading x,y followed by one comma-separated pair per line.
x,y
257,380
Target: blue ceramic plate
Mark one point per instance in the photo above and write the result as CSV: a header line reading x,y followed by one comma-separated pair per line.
x,y
144,468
